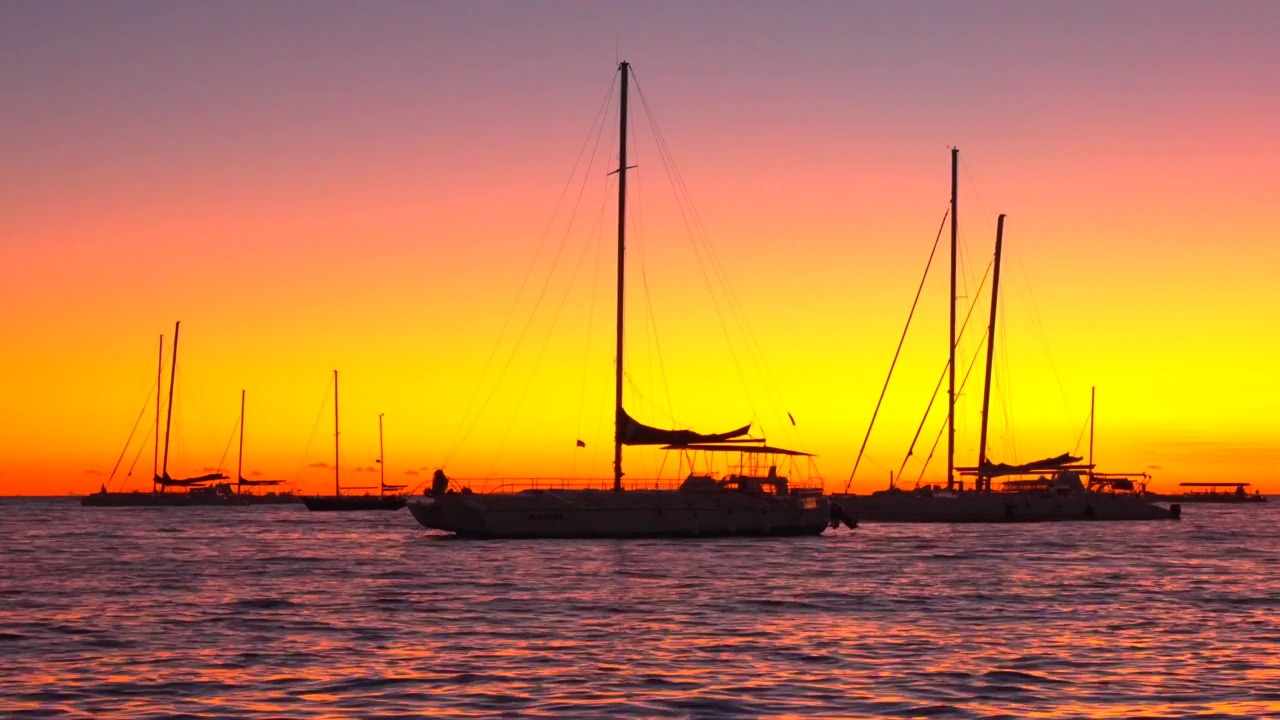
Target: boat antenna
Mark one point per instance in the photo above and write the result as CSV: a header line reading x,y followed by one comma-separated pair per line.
x,y
983,480
168,421
240,462
155,461
382,465
625,69
951,345
1093,400
337,488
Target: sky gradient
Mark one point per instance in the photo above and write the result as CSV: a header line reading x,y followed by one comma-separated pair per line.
x,y
363,186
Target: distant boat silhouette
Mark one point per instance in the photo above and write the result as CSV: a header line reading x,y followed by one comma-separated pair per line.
x,y
167,491
1213,492
749,501
266,498
339,502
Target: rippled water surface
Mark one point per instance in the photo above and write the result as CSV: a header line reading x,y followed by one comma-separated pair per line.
x,y
274,611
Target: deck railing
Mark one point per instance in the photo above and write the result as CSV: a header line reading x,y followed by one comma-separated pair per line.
x,y
510,485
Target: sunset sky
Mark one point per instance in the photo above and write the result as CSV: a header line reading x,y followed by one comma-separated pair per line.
x,y
366,186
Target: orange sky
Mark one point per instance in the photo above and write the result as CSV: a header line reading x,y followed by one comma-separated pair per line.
x,y
364,188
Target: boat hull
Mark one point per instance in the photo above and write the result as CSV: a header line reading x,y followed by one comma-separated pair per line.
x,y
1222,498
351,503
630,514
978,507
277,499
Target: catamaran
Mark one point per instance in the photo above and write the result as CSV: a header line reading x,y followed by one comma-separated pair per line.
x,y
165,490
751,499
1043,490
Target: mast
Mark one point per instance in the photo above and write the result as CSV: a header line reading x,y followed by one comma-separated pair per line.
x,y
951,348
382,458
168,421
1093,400
155,460
624,68
991,344
240,462
337,489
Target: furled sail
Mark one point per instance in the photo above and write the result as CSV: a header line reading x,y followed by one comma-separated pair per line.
x,y
243,481
1053,463
189,482
635,433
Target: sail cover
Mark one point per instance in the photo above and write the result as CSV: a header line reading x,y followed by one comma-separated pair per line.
x,y
1053,463
635,433
244,481
188,482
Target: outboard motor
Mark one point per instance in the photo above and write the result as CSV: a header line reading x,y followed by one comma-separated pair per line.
x,y
439,484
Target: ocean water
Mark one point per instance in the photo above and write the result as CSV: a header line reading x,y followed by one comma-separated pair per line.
x,y
277,612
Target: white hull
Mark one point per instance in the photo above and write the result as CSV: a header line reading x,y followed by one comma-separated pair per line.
x,y
628,514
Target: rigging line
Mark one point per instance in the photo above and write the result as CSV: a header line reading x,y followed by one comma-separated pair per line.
x,y
223,460
637,215
973,362
642,397
146,404
698,233
1005,380
536,305
651,332
647,308
541,351
198,407
1038,324
945,367
986,216
1080,440
138,454
591,314
536,254
754,350
914,302
324,402
663,153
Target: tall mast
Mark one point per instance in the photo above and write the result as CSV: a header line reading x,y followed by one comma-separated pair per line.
x,y
337,489
991,344
624,68
1093,400
168,421
382,459
951,347
155,460
240,462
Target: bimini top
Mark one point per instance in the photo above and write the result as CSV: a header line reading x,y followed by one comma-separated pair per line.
x,y
753,449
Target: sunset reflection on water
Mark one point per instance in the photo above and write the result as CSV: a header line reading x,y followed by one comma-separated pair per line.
x,y
276,611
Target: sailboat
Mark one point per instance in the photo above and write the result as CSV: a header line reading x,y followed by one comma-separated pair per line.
x,y
270,497
1043,490
750,501
165,490
339,502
